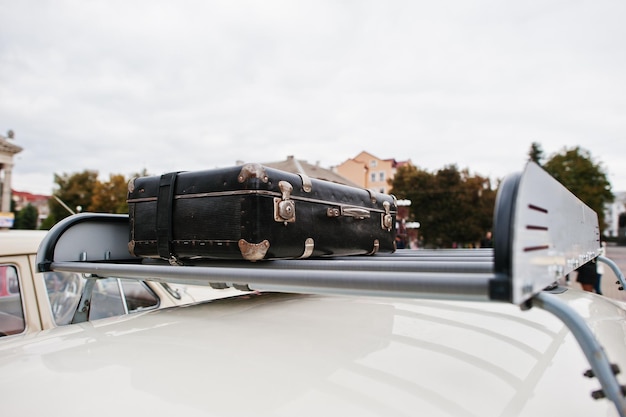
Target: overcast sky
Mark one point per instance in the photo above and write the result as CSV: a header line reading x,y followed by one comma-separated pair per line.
x,y
119,86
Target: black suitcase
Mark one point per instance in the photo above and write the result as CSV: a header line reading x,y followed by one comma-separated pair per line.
x,y
254,212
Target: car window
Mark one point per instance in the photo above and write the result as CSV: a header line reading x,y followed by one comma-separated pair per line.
x,y
110,297
114,297
64,291
11,310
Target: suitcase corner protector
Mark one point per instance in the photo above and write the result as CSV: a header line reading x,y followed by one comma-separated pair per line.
x,y
253,251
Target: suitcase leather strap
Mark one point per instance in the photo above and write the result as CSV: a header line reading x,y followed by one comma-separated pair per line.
x,y
165,204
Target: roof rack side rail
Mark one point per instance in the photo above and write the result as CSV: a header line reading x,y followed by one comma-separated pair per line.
x,y
601,367
620,277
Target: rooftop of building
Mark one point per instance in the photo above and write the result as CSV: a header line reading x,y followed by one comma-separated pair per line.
x,y
300,166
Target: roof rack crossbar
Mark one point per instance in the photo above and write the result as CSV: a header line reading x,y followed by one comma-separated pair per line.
x,y
441,253
360,263
467,286
401,256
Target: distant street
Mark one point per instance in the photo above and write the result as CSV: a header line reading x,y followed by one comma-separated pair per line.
x,y
618,255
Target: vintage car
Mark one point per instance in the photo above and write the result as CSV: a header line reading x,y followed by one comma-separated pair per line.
x,y
275,354
32,301
434,333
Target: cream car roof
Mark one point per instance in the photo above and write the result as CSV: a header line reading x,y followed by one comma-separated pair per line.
x,y
20,242
280,354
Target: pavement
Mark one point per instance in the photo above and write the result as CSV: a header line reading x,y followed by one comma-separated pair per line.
x,y
608,284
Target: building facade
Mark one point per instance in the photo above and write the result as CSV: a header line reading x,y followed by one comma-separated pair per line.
x,y
22,199
7,151
300,166
612,214
370,171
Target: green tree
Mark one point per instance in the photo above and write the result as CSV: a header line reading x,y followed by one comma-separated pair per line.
x,y
451,205
74,194
481,198
26,218
536,153
82,191
110,196
577,171
48,222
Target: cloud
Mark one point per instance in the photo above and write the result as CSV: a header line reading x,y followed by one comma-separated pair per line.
x,y
121,86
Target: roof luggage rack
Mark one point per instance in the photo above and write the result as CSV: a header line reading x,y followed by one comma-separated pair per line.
x,y
542,232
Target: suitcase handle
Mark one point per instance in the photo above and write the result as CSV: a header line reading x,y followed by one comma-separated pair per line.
x,y
356,212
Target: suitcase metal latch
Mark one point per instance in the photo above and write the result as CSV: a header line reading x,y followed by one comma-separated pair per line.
x,y
386,220
284,207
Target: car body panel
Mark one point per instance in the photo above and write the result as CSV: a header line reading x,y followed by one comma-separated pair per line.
x,y
22,263
279,354
20,242
18,248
